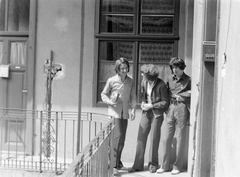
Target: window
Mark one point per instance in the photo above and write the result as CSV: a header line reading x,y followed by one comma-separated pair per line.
x,y
14,15
143,31
14,28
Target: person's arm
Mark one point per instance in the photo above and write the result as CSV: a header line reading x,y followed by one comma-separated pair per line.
x,y
163,102
187,92
105,94
133,102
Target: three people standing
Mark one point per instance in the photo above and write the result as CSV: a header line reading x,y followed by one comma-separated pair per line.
x,y
173,98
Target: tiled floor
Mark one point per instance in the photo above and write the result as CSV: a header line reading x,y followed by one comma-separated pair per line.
x,y
146,173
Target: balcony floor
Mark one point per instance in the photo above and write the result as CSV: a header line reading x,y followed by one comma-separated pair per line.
x,y
146,173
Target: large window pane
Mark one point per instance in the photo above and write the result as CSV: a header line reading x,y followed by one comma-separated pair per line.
x,y
112,50
153,52
157,25
18,15
158,6
117,23
117,6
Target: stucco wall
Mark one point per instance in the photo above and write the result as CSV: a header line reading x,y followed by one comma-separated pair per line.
x,y
228,112
58,29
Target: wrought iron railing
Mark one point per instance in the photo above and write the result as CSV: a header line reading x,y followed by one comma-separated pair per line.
x,y
44,141
95,159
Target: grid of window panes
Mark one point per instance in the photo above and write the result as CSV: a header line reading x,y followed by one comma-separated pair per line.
x,y
133,26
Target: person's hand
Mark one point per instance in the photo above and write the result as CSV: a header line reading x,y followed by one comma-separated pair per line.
x,y
146,106
179,98
132,114
110,103
142,105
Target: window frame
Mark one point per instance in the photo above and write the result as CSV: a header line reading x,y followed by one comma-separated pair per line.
x,y
137,37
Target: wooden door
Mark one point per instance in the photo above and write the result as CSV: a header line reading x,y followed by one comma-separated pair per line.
x,y
13,90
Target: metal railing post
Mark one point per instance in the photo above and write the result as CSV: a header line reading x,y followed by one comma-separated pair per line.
x,y
41,124
56,144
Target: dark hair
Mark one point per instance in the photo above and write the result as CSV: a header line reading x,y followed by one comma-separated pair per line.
x,y
177,62
118,63
150,71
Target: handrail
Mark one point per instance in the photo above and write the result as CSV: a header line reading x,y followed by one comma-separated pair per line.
x,y
81,160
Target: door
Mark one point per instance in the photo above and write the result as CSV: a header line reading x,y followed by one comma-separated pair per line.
x,y
13,92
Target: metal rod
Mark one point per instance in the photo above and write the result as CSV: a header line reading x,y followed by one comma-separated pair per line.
x,y
56,144
41,121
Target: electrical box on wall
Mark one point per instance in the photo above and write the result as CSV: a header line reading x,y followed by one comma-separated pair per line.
x,y
4,71
209,53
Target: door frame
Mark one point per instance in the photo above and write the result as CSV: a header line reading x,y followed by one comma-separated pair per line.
x,y
31,76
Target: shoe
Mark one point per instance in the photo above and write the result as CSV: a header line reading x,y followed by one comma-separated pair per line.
x,y
131,170
175,172
115,171
120,165
152,168
160,170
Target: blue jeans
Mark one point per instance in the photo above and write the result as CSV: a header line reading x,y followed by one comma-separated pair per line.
x,y
176,120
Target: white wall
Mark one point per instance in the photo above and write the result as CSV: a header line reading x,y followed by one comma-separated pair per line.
x,y
58,29
228,112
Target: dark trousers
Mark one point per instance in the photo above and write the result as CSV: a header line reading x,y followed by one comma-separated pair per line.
x,y
148,122
176,121
119,140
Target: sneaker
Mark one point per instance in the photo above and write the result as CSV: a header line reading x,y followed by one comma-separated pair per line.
x,y
115,171
160,170
175,172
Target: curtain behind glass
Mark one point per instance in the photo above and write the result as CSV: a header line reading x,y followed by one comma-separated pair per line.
x,y
18,53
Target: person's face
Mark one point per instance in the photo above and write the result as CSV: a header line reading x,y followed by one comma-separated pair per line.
x,y
177,71
123,70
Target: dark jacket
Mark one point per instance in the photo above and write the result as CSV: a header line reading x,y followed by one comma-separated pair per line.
x,y
159,96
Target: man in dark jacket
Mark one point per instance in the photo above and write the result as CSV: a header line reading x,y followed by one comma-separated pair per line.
x,y
154,103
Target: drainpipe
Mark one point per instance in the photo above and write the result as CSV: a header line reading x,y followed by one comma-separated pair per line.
x,y
80,73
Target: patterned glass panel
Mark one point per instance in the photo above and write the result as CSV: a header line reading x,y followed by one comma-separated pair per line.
x,y
117,23
2,15
157,24
118,6
155,52
158,6
18,53
18,15
111,51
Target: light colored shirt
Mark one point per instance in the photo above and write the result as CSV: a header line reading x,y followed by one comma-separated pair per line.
x,y
126,98
149,91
